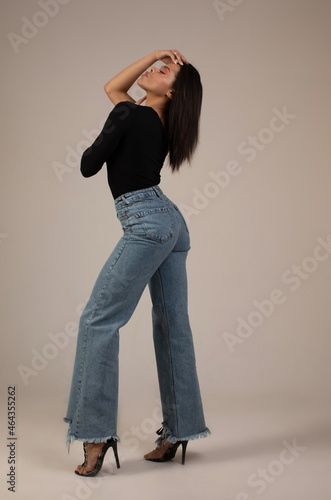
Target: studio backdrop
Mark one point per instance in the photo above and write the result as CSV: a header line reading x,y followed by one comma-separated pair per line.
x,y
256,199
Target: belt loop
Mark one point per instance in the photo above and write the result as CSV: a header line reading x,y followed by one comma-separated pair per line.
x,y
155,191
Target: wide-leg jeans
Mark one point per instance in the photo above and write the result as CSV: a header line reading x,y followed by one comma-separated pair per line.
x,y
152,251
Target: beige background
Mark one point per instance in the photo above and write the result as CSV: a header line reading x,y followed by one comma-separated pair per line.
x,y
256,59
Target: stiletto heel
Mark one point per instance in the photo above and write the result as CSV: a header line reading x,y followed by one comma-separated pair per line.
x,y
109,443
114,445
184,444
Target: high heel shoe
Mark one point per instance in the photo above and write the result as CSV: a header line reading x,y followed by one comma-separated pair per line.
x,y
109,443
171,450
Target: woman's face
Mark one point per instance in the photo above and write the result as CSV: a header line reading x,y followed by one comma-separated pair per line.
x,y
159,81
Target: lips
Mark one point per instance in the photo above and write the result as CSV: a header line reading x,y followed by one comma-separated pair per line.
x,y
145,74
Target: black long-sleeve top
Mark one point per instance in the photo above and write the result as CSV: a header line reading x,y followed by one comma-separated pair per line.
x,y
133,145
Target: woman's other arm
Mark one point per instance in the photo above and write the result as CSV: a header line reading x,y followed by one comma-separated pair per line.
x,y
113,130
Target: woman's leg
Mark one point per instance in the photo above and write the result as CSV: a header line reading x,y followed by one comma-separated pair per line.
x,y
174,349
92,406
153,231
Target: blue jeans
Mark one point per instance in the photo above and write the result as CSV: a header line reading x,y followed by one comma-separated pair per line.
x,y
153,251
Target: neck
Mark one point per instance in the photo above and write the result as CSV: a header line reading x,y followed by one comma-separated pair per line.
x,y
156,103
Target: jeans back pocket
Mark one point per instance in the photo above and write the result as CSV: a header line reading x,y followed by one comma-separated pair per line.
x,y
156,223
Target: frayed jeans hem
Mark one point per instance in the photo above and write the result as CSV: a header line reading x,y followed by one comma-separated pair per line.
x,y
72,437
168,437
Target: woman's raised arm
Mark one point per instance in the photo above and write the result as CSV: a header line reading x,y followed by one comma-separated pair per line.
x,y
117,87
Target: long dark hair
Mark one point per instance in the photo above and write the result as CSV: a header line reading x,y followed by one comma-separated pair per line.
x,y
182,116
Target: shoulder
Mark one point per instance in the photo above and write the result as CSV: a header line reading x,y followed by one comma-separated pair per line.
x,y
127,104
130,105
121,112
125,108
127,114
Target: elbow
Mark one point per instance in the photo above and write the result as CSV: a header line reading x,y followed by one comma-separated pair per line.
x,y
87,171
85,168
90,166
107,88
111,93
84,172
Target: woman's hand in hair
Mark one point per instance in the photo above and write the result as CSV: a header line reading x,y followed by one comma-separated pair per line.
x,y
168,56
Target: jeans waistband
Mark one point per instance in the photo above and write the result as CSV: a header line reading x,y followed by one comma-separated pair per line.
x,y
139,194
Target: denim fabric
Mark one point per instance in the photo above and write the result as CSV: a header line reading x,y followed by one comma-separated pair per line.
x,y
152,251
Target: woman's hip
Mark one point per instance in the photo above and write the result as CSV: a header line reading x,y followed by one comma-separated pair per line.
x,y
149,214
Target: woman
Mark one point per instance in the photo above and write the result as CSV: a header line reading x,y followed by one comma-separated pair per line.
x,y
134,143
